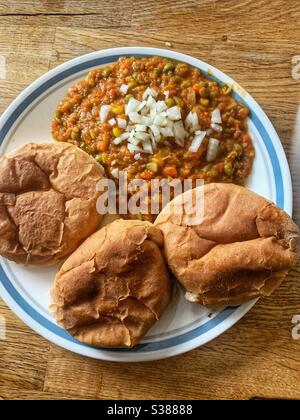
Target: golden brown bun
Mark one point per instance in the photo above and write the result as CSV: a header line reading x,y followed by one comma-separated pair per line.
x,y
114,287
47,202
241,250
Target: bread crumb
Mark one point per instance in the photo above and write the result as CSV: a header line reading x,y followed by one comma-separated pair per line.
x,y
168,44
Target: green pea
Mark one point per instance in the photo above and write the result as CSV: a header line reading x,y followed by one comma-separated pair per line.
x,y
204,102
185,84
228,168
139,216
207,168
226,89
170,102
58,117
132,85
75,133
203,93
127,97
152,166
213,173
98,158
106,72
238,148
169,67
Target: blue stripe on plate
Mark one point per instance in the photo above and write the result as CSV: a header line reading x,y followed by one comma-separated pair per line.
x,y
147,347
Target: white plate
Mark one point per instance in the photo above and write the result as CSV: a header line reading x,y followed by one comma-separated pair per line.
x,y
184,326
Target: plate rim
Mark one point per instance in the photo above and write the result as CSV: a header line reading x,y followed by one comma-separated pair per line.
x,y
239,312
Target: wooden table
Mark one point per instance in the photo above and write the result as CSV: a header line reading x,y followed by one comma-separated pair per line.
x,y
254,42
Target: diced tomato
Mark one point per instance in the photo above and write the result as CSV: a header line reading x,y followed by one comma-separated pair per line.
x,y
147,175
170,171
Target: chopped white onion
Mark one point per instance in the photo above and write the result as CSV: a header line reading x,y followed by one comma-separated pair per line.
x,y
166,93
153,141
142,136
121,138
192,122
212,150
137,156
140,127
122,123
161,106
174,113
104,111
150,92
135,141
217,127
147,147
197,141
155,131
151,102
159,120
124,89
133,148
125,136
132,106
112,122
167,131
150,119
114,162
135,118
180,133
216,116
142,105
146,121
117,141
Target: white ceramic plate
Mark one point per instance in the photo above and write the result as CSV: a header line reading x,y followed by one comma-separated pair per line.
x,y
184,326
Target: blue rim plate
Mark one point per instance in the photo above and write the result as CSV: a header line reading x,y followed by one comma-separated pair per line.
x,y
29,116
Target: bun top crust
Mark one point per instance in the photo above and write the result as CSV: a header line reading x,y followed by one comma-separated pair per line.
x,y
114,287
241,249
47,202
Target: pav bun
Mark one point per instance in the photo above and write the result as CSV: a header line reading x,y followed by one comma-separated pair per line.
x,y
242,248
114,287
47,202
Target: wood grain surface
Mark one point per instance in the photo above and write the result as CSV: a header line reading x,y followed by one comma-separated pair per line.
x,y
253,41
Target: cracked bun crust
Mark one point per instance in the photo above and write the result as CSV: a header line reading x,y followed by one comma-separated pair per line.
x,y
242,249
47,202
114,287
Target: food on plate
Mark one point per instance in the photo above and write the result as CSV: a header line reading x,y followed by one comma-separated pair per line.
x,y
47,202
157,118
241,249
114,287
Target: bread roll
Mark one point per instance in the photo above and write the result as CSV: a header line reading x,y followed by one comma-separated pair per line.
x,y
242,249
114,287
47,202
